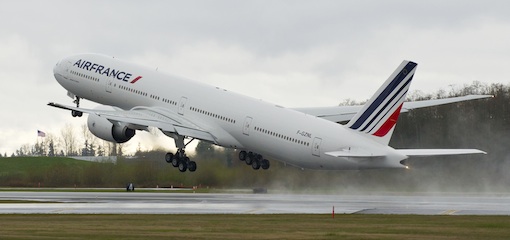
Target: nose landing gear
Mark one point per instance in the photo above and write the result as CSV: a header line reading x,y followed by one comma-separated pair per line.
x,y
76,113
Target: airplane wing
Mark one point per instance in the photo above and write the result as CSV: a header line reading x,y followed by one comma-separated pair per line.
x,y
142,117
345,113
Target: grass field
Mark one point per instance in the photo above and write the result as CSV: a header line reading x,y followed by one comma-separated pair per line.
x,y
37,163
253,227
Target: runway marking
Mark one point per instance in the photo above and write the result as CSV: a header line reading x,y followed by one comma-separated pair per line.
x,y
61,210
255,210
448,212
362,211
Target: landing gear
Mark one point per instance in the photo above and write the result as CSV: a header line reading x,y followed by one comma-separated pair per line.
x,y
255,160
76,113
179,159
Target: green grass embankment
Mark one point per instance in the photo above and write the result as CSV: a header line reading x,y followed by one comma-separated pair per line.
x,y
42,171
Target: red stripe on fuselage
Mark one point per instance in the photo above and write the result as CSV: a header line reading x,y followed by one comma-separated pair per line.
x,y
389,124
136,79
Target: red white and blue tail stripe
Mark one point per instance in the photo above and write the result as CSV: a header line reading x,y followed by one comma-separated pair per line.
x,y
379,115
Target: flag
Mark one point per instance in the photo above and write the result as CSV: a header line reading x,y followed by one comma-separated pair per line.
x,y
41,134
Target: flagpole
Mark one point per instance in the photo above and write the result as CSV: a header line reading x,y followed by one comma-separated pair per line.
x,y
37,139
40,134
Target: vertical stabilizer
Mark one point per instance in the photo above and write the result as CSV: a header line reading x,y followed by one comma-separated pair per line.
x,y
379,115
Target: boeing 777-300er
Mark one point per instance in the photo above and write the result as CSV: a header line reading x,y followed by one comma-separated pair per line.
x,y
139,97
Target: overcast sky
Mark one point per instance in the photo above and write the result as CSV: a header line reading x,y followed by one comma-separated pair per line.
x,y
292,53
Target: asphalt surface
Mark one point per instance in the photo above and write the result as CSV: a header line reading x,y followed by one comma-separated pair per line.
x,y
212,203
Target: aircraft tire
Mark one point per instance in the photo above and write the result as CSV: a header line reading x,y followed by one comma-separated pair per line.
x,y
256,164
169,157
265,164
183,166
192,166
175,161
249,160
242,155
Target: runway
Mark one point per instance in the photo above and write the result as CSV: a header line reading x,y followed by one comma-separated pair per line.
x,y
213,203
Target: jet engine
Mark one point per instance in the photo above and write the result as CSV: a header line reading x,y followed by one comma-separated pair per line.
x,y
106,130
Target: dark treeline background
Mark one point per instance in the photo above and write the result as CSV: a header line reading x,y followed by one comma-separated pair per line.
x,y
482,124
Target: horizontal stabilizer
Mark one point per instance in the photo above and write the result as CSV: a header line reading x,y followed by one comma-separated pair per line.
x,y
436,102
438,152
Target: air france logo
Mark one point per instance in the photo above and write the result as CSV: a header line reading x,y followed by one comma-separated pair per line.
x,y
110,72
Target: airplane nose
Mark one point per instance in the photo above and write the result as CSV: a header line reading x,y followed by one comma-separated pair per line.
x,y
55,68
59,71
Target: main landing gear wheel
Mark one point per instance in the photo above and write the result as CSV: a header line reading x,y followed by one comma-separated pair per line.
x,y
249,160
242,155
265,164
192,166
169,158
256,161
256,164
181,161
183,166
186,164
175,162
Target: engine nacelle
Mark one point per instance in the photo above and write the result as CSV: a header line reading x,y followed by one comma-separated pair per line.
x,y
106,130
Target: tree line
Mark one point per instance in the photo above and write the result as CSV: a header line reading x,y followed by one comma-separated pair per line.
x,y
69,143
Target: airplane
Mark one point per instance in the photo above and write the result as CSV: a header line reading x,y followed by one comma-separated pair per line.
x,y
134,97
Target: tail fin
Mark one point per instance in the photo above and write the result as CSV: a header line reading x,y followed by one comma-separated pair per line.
x,y
379,115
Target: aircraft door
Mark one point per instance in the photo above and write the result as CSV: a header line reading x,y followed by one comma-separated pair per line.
x,y
247,125
182,105
109,83
316,147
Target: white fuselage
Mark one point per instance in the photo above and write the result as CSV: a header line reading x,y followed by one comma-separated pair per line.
x,y
237,121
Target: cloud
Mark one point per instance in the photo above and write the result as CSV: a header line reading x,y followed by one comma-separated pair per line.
x,y
292,53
